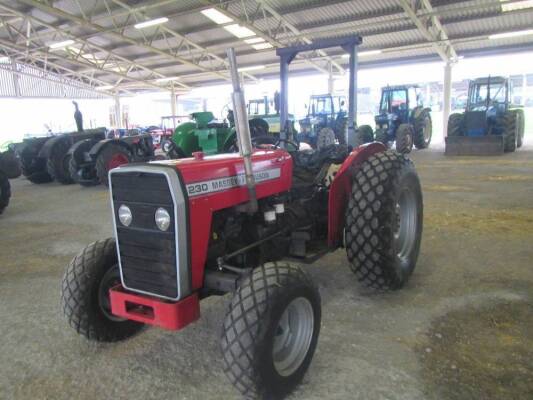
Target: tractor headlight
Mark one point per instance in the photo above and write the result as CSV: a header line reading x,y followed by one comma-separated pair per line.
x,y
162,219
124,215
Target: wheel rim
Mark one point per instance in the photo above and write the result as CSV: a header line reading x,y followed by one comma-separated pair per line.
x,y
406,224
110,279
117,160
293,336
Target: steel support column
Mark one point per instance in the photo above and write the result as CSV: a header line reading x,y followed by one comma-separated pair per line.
x,y
173,105
118,114
352,96
447,100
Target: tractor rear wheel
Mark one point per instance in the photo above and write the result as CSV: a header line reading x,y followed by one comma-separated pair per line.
x,y
423,128
112,156
271,330
509,127
381,136
325,138
384,221
404,138
85,294
33,167
5,191
455,124
521,123
57,164
364,134
85,176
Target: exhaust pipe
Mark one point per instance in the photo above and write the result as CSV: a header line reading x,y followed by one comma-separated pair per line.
x,y
243,130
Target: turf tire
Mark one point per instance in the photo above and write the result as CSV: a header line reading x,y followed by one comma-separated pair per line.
x,y
371,221
251,325
80,295
325,138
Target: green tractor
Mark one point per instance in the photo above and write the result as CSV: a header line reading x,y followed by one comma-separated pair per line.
x,y
203,133
264,117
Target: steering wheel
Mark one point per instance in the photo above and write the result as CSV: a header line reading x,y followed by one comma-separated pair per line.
x,y
289,142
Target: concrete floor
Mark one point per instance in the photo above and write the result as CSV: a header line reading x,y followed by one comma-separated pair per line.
x,y
461,329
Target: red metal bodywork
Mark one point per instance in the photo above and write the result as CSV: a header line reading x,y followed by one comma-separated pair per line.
x,y
175,315
154,311
341,188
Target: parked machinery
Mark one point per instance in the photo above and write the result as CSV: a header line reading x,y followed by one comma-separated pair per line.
x,y
90,160
185,230
264,118
45,159
326,121
490,125
9,169
403,119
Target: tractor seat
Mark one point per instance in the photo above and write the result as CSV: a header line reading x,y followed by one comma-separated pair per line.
x,y
313,160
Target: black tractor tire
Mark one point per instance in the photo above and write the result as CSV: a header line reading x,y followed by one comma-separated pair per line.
x,y
456,124
423,128
384,221
57,164
325,138
85,294
381,136
509,127
255,326
33,168
404,138
521,128
175,151
5,191
363,135
341,127
75,169
104,160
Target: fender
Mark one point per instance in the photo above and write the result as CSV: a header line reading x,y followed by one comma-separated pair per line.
x,y
99,147
340,189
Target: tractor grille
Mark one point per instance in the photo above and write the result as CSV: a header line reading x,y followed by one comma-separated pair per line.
x,y
148,256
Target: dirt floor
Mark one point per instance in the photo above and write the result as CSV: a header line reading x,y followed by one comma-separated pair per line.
x,y
461,329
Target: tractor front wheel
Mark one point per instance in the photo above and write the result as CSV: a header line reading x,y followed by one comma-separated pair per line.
x,y
384,221
112,156
404,138
271,330
85,294
5,191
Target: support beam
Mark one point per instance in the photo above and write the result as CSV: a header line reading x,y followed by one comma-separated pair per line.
x,y
447,97
173,105
430,28
118,113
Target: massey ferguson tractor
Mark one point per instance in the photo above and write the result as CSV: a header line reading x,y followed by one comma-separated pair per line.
x,y
90,160
204,226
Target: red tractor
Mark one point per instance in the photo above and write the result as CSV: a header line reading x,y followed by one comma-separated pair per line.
x,y
192,228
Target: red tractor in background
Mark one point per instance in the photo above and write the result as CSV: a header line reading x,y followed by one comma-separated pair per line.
x,y
234,223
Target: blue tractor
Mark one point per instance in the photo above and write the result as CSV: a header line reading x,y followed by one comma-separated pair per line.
x,y
326,121
402,119
490,125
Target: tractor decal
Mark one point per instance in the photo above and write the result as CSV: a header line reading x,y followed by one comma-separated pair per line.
x,y
230,182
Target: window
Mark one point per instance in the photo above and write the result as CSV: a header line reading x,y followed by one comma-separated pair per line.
x,y
321,105
399,100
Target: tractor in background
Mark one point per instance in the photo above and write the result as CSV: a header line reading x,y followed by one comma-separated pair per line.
x,y
326,121
403,119
9,169
90,160
44,159
490,125
264,117
202,133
